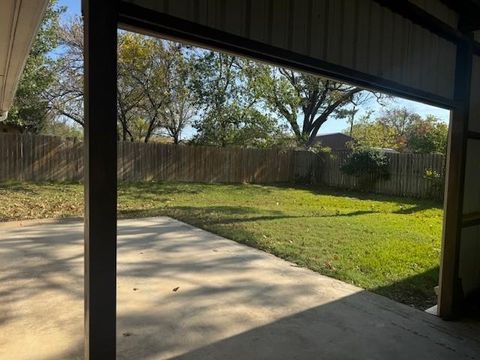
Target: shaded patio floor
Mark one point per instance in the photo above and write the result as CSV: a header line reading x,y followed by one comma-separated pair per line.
x,y
185,293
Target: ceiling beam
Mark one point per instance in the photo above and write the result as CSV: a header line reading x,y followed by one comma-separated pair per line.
x,y
423,18
468,11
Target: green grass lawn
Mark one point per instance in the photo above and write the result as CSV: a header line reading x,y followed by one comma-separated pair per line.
x,y
388,245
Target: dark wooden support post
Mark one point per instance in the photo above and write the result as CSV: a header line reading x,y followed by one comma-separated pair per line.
x,y
100,34
450,286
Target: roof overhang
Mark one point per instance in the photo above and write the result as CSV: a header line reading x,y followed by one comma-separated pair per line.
x,y
19,24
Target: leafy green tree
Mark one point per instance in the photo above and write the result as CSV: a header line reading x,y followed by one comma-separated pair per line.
x,y
236,126
402,130
304,101
143,64
228,110
399,120
30,108
428,135
154,81
181,106
373,133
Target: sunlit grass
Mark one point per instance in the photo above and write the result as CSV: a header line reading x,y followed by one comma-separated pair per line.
x,y
385,244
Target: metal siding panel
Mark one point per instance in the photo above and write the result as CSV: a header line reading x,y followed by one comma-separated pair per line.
x,y
349,30
448,71
439,10
202,15
471,199
375,44
235,17
435,51
386,66
356,34
398,48
443,81
181,9
361,56
319,23
415,55
426,80
280,17
474,121
334,34
216,14
469,269
259,27
407,60
301,21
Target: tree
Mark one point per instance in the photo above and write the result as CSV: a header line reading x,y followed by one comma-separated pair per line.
x,y
242,127
349,112
229,114
288,93
402,130
152,74
373,133
62,128
143,64
66,93
30,108
400,120
428,135
181,105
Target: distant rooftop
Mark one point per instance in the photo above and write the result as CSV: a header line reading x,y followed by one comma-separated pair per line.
x,y
335,141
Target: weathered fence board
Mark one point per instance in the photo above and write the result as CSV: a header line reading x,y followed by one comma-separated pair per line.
x,y
406,174
39,158
48,158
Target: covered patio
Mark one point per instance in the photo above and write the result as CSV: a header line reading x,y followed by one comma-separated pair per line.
x,y
251,304
215,299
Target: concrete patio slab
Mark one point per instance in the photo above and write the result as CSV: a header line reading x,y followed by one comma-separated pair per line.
x,y
188,294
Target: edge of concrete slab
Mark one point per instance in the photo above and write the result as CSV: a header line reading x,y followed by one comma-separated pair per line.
x,y
46,221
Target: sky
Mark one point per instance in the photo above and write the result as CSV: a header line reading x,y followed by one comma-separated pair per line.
x,y
332,125
338,125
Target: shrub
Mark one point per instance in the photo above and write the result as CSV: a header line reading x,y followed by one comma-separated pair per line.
x,y
437,183
368,165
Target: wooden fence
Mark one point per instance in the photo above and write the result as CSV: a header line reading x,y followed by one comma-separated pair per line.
x,y
40,158
407,175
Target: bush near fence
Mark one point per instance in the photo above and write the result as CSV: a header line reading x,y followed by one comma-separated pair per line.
x,y
407,175
26,157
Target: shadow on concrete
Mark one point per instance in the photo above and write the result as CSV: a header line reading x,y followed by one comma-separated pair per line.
x,y
355,327
232,302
